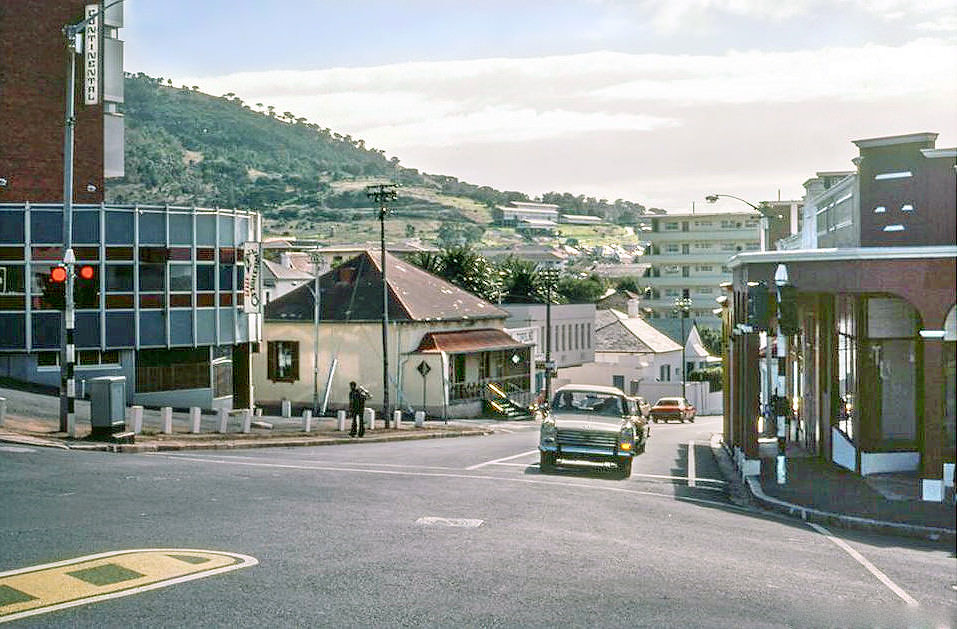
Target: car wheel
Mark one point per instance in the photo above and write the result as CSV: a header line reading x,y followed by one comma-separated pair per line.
x,y
546,461
624,467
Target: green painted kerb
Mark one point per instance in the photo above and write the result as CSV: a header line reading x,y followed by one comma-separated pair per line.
x,y
190,558
9,596
106,574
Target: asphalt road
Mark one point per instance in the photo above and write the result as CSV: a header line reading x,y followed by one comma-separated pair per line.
x,y
458,532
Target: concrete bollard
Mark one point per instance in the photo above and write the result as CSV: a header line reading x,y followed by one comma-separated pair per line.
x,y
397,419
136,419
419,419
369,419
341,418
194,418
286,409
166,419
259,411
247,420
307,420
223,420
3,409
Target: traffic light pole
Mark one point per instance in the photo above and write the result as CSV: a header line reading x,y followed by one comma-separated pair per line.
x,y
67,348
780,406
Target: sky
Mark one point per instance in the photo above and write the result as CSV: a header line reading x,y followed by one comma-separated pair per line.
x,y
660,102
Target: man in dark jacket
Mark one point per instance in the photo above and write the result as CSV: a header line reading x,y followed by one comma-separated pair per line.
x,y
357,405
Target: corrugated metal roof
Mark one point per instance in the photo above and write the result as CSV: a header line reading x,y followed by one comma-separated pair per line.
x,y
281,272
466,341
353,292
641,330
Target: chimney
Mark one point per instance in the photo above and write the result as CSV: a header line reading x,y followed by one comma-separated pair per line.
x,y
633,308
285,260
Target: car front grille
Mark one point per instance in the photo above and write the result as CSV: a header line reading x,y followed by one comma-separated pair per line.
x,y
594,439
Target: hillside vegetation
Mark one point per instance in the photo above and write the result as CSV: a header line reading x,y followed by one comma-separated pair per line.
x,y
184,147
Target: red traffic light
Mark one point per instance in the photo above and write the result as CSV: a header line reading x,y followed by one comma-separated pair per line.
x,y
86,272
58,274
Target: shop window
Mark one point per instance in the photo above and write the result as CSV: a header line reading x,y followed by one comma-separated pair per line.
x,y
847,358
48,359
283,361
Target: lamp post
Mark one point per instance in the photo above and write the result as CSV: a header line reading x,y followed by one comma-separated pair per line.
x,y
381,194
763,208
67,347
681,308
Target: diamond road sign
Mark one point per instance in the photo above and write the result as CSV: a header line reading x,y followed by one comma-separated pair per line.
x,y
424,368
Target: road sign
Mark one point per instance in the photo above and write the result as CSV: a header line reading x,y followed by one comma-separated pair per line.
x,y
424,368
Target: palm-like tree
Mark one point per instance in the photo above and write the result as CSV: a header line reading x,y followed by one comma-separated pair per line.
x,y
522,281
466,268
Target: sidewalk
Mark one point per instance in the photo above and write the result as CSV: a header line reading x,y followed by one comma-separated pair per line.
x,y
820,491
33,419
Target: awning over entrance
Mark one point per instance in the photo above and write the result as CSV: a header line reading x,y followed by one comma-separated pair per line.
x,y
467,341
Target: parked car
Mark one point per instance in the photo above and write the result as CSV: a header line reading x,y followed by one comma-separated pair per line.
x,y
672,408
592,423
644,406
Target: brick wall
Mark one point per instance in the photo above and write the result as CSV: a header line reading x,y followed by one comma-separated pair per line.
x,y
33,63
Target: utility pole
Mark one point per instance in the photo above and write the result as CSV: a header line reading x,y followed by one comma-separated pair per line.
x,y
682,306
317,262
549,274
381,194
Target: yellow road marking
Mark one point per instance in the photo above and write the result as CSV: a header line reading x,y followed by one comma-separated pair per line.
x,y
83,580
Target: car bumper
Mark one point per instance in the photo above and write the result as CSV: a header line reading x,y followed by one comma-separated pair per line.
x,y
586,453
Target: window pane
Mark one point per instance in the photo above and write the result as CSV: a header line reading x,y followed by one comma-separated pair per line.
x,y
152,277
226,277
86,227
152,228
119,278
11,226
206,230
205,277
11,278
119,228
46,227
181,277
181,229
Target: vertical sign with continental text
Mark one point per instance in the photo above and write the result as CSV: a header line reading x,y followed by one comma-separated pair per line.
x,y
252,278
91,56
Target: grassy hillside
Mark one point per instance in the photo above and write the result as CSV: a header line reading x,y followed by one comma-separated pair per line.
x,y
185,147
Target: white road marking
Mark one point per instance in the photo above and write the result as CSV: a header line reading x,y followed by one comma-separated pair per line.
x,y
684,478
465,523
506,458
15,449
533,481
691,470
883,578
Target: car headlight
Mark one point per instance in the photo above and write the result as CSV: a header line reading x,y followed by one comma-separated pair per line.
x,y
548,432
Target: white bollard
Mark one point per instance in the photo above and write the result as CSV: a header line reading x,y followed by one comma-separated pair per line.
x,y
166,419
259,411
194,417
341,417
286,409
369,419
307,420
419,419
3,409
136,419
247,420
397,419
223,420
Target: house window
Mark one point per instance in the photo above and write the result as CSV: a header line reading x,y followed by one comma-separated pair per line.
x,y
48,359
618,381
94,357
664,373
673,226
588,334
672,248
847,352
283,361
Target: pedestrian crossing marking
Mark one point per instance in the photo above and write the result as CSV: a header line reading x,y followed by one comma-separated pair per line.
x,y
83,580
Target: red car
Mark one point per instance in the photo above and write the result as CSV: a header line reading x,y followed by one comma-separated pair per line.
x,y
676,408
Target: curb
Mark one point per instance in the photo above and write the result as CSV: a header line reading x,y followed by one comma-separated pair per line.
x,y
172,446
752,486
808,514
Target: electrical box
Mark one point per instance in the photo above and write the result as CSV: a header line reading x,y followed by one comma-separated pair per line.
x,y
107,404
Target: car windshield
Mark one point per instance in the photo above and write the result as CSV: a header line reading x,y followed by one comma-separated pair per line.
x,y
597,405
668,401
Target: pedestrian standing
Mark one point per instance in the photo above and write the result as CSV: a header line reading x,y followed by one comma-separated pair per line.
x,y
357,406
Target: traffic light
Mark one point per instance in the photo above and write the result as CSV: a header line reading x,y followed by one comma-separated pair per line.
x,y
87,287
758,306
54,289
787,310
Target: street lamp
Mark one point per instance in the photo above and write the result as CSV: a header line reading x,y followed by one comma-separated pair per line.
x,y
764,208
681,308
381,194
318,262
67,348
